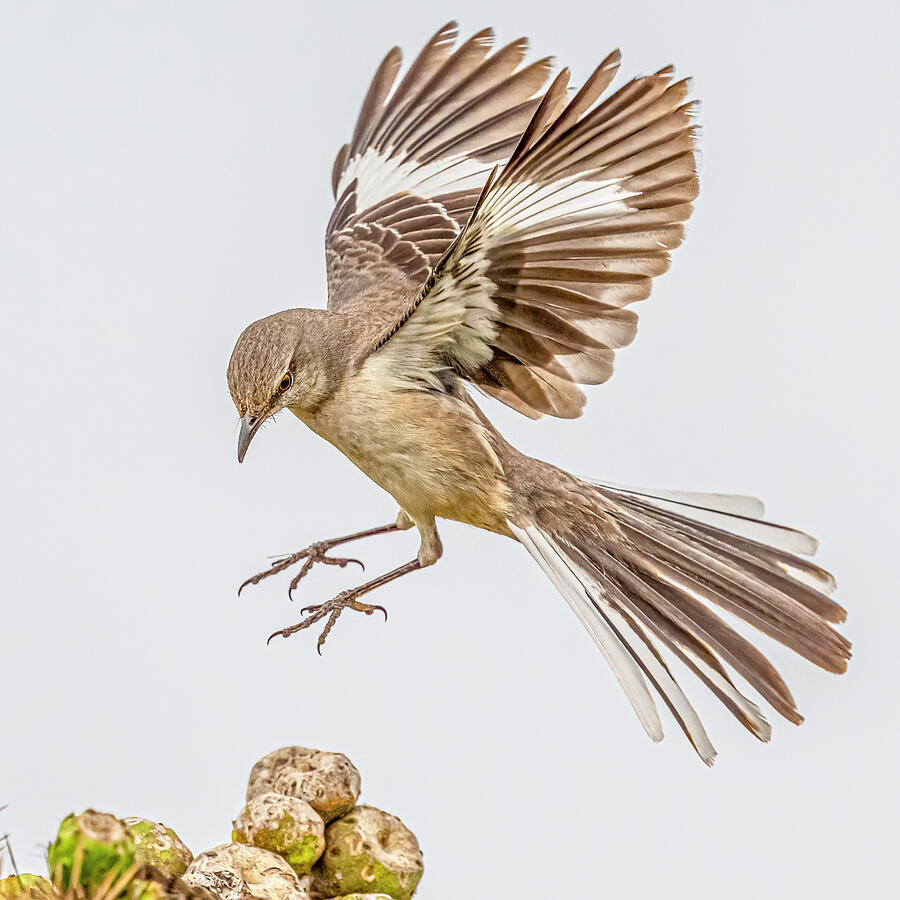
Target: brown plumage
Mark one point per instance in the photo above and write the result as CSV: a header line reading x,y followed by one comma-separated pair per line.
x,y
492,230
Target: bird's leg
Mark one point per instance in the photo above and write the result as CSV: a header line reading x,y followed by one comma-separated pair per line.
x,y
345,600
429,553
317,552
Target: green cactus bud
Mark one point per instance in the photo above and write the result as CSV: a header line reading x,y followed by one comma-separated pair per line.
x,y
286,826
157,845
368,851
106,851
328,782
27,887
364,897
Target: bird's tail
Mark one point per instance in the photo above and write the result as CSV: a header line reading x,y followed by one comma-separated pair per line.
x,y
644,572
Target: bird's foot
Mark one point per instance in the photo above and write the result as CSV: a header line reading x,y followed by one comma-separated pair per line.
x,y
314,553
332,609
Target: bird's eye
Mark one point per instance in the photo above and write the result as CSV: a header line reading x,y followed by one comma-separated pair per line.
x,y
285,382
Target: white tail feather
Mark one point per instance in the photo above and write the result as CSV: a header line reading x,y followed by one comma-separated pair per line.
x,y
761,728
619,641
732,513
735,504
621,662
623,643
817,580
663,679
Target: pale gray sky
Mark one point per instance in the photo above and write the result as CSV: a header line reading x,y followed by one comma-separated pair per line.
x,y
164,179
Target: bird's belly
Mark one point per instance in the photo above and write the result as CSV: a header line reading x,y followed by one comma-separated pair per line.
x,y
425,449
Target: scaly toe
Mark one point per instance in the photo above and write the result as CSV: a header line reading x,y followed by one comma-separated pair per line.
x,y
368,609
340,561
279,565
304,571
314,614
284,632
332,609
307,610
335,614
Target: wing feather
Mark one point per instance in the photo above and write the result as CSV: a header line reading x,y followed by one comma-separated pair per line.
x,y
419,156
530,296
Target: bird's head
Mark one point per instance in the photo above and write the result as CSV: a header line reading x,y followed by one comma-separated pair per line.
x,y
279,362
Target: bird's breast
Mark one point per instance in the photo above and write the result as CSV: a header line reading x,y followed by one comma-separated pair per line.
x,y
425,448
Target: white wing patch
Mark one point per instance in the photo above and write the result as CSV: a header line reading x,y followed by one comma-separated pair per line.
x,y
380,175
570,230
525,207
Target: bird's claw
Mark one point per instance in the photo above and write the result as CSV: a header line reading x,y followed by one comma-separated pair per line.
x,y
332,609
314,553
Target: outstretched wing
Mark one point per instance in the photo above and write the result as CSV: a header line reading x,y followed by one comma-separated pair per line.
x,y
420,154
530,300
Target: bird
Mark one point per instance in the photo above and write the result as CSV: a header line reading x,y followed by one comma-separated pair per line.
x,y
492,227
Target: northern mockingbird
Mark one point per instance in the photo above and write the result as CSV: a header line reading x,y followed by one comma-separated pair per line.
x,y
490,231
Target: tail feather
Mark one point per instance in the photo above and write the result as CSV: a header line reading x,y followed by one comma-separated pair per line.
x,y
658,672
799,574
736,514
653,580
735,504
764,563
696,617
687,567
627,648
700,658
617,652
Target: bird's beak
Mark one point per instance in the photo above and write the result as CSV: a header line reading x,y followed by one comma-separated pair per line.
x,y
249,427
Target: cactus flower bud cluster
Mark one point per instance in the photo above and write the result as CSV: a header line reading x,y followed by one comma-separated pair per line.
x,y
300,836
